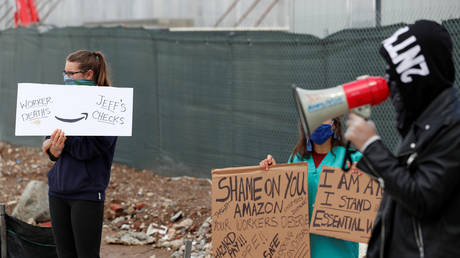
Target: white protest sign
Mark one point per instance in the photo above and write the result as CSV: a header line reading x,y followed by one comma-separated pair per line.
x,y
77,110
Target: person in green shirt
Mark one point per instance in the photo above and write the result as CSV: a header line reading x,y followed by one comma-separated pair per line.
x,y
324,147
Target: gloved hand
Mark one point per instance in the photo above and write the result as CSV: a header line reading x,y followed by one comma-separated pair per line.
x,y
359,130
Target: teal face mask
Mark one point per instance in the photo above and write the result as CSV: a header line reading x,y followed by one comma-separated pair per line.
x,y
70,81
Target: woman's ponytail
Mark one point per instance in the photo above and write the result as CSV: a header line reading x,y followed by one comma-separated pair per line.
x,y
102,78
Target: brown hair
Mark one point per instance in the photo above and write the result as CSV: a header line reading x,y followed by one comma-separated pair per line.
x,y
94,61
300,149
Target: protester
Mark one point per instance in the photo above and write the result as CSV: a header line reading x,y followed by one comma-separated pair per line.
x,y
419,213
324,147
79,178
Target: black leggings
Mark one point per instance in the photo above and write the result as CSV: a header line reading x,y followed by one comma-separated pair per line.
x,y
77,227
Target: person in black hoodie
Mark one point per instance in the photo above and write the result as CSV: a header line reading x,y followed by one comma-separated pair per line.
x,y
419,213
81,173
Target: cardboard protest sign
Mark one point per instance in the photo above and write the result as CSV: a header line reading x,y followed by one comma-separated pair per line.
x,y
77,110
258,213
346,205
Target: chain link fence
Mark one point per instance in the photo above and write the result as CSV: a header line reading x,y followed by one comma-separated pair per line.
x,y
204,100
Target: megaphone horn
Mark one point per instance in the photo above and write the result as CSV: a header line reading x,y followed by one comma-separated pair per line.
x,y
317,106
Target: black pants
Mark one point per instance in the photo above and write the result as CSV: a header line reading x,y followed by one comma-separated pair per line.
x,y
77,227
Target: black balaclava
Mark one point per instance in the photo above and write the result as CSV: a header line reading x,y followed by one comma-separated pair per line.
x,y
419,67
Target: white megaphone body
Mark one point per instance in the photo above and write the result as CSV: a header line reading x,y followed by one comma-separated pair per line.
x,y
317,106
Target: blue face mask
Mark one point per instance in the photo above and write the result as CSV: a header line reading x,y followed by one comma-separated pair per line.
x,y
322,134
70,81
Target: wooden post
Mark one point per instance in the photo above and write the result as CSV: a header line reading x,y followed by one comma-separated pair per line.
x,y
3,231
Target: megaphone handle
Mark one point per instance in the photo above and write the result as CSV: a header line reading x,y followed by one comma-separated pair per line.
x,y
347,158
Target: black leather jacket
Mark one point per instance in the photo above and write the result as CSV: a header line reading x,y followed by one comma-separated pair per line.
x,y
419,215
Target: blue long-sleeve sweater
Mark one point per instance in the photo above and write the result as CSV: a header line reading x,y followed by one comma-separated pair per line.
x,y
83,169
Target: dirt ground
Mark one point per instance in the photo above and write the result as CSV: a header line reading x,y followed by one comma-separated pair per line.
x,y
141,197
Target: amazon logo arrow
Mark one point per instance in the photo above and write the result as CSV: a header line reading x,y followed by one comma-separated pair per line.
x,y
72,120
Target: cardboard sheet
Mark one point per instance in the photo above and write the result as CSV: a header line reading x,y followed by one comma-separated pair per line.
x,y
346,205
258,213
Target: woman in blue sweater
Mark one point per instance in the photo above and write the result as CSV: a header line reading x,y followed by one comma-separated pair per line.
x,y
78,179
324,147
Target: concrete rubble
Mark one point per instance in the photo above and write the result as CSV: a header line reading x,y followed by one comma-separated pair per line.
x,y
171,236
141,207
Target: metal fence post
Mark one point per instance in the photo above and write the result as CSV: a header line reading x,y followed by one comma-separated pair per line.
x,y
3,231
188,248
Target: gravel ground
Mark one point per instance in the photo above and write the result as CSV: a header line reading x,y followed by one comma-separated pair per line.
x,y
139,197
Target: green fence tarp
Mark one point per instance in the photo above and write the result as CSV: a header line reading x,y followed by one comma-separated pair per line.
x,y
202,100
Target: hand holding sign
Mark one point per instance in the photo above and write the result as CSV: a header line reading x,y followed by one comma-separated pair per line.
x,y
57,141
266,163
55,144
354,169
